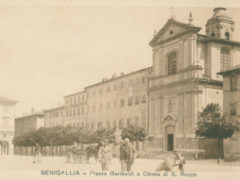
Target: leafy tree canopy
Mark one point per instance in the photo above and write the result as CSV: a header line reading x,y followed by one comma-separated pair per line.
x,y
134,133
212,124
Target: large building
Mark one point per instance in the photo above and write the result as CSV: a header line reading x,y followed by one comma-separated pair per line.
x,y
7,107
231,106
165,98
119,101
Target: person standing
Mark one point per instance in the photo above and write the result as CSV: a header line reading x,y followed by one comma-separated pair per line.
x,y
37,154
105,155
127,152
181,161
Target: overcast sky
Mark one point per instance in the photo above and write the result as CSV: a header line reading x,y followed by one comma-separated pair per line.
x,y
48,50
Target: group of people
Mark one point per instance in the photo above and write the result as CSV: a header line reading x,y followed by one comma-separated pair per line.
x,y
127,153
127,156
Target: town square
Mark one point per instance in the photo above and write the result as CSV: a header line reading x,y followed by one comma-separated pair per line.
x,y
119,90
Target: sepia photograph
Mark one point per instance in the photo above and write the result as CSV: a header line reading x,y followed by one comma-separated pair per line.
x,y
117,89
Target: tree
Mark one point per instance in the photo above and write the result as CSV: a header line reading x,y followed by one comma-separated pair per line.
x,y
134,133
103,133
212,124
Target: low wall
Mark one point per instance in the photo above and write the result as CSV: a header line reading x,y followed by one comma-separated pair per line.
x,y
232,148
46,150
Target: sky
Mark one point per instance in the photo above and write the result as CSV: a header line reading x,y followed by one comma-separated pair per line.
x,y
55,48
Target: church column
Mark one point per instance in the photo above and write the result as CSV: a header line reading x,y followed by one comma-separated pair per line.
x,y
152,117
157,116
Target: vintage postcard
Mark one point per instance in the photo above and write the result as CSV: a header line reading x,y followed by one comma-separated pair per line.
x,y
117,89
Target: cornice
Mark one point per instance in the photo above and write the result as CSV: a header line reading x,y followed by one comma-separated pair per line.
x,y
197,67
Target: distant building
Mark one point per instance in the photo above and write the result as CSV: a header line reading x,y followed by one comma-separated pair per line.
x,y
28,123
54,117
231,106
7,110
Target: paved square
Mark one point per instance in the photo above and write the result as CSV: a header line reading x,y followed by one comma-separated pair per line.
x,y
23,168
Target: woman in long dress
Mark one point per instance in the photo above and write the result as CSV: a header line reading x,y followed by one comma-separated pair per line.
x,y
105,155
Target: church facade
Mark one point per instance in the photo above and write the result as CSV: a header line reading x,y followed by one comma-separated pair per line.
x,y
184,79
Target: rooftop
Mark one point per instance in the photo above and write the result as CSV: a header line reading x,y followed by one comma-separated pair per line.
x,y
6,101
30,115
119,77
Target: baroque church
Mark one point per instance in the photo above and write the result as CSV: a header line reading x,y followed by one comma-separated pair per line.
x,y
184,79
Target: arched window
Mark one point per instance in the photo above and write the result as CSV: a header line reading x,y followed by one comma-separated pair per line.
x,y
172,63
227,35
225,58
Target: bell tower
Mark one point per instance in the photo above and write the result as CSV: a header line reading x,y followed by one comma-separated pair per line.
x,y
220,25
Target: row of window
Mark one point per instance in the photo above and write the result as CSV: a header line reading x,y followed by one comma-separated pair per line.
x,y
76,125
225,60
121,85
121,123
75,99
109,105
77,111
227,35
131,100
71,112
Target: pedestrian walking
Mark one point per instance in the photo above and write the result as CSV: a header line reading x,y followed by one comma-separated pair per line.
x,y
127,152
105,155
69,156
37,154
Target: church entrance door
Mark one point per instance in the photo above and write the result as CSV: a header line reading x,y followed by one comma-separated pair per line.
x,y
170,142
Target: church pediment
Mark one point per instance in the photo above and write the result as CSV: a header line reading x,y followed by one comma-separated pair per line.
x,y
172,29
169,117
169,120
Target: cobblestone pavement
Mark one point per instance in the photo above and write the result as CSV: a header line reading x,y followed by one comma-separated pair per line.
x,y
23,168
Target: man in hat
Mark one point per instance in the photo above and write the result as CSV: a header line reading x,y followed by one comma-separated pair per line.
x,y
105,155
127,151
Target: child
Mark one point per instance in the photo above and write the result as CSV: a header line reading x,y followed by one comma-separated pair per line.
x,y
181,161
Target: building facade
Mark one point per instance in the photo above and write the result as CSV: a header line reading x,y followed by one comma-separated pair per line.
x,y
75,109
7,107
231,106
28,123
119,101
54,117
184,79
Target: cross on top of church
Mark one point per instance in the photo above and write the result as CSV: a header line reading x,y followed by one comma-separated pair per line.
x,y
172,13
